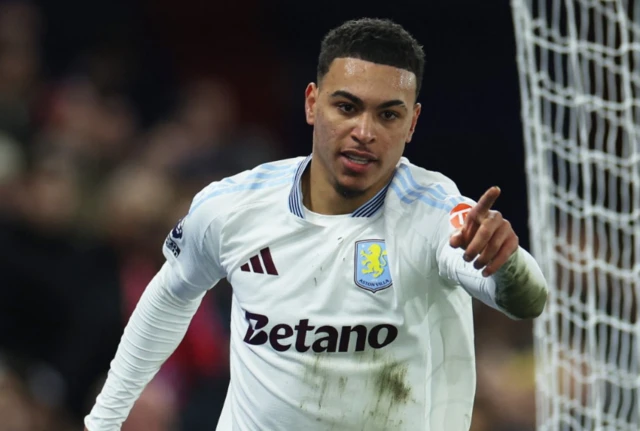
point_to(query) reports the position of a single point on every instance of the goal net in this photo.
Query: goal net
(579, 67)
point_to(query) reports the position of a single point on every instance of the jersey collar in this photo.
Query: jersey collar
(295, 196)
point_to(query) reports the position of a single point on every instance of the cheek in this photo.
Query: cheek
(395, 147)
(396, 153)
(326, 131)
(398, 138)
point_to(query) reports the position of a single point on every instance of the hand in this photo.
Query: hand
(486, 235)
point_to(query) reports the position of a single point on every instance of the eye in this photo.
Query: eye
(389, 115)
(347, 108)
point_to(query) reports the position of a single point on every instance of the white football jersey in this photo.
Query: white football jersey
(338, 322)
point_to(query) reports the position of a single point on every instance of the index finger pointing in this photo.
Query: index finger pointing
(485, 203)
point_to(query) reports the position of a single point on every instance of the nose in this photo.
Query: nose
(364, 130)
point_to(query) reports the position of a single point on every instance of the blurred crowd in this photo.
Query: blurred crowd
(89, 188)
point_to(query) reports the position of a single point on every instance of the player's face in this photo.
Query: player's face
(363, 115)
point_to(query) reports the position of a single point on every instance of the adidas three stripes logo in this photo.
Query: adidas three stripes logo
(256, 263)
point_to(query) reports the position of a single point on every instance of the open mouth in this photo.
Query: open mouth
(358, 160)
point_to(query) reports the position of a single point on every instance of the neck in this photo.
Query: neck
(320, 196)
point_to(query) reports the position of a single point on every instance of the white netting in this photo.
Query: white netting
(579, 65)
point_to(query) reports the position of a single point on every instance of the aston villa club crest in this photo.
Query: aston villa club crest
(372, 265)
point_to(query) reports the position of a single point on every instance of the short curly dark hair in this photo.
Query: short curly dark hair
(380, 41)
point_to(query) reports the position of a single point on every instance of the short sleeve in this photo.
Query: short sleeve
(192, 250)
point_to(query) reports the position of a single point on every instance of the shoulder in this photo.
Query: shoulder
(211, 207)
(262, 183)
(421, 192)
(420, 204)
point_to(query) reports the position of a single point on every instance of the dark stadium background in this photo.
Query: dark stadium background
(99, 99)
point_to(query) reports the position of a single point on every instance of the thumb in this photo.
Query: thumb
(456, 240)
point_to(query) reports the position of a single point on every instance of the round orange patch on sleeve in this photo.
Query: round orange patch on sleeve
(458, 215)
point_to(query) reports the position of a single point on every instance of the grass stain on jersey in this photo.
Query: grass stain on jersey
(374, 402)
(390, 392)
(323, 391)
(342, 384)
(317, 379)
(390, 382)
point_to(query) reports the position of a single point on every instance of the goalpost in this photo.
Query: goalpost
(579, 67)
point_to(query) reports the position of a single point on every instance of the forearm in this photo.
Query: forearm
(155, 329)
(518, 289)
(521, 289)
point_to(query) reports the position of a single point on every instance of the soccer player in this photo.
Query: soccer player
(352, 269)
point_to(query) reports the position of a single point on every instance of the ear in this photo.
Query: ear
(310, 98)
(414, 120)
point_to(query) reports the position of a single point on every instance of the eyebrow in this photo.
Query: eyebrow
(360, 103)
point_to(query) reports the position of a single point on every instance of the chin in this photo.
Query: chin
(349, 191)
